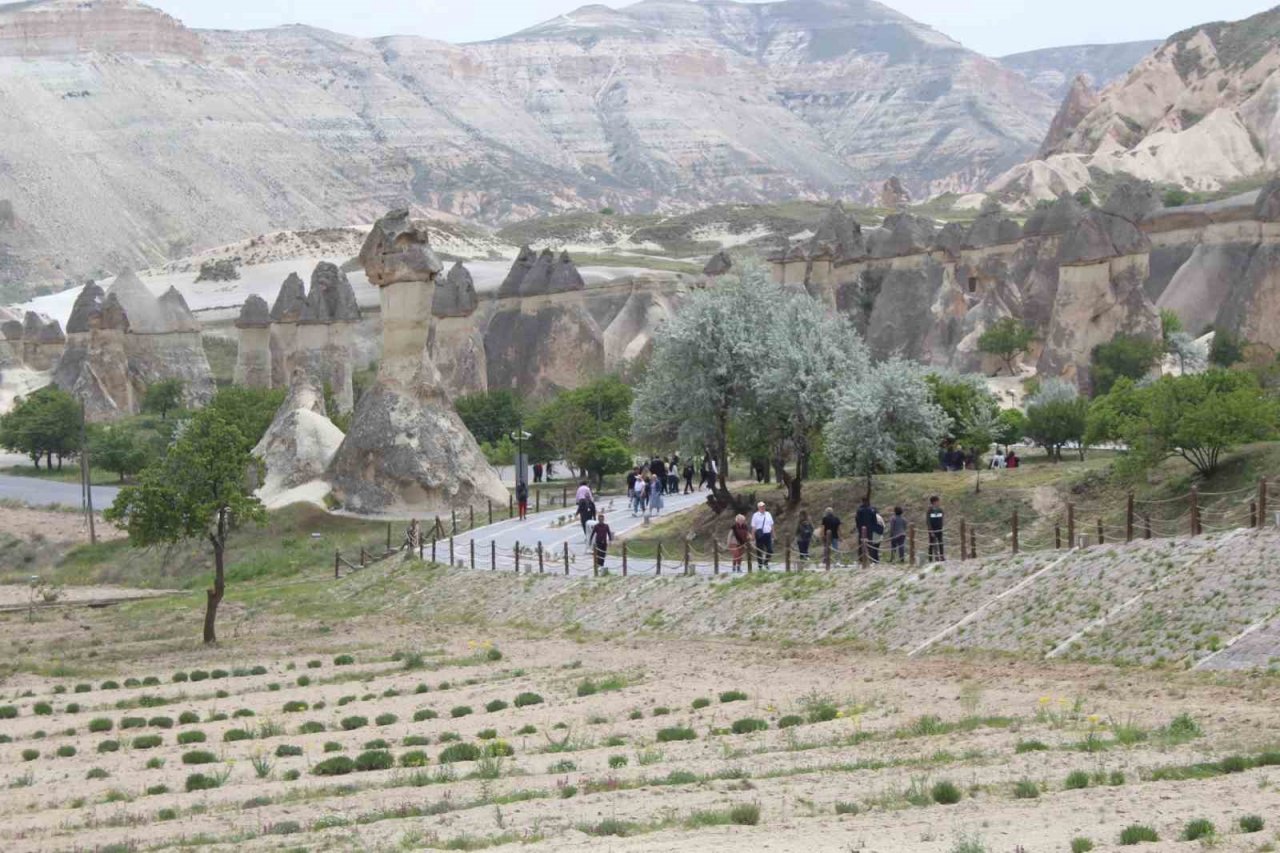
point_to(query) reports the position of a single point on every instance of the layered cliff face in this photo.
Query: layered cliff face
(1199, 112)
(666, 104)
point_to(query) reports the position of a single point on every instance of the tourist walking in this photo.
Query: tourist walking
(522, 498)
(804, 535)
(601, 536)
(586, 505)
(739, 536)
(638, 489)
(537, 472)
(704, 474)
(870, 526)
(934, 520)
(688, 477)
(831, 529)
(898, 536)
(762, 526)
(654, 496)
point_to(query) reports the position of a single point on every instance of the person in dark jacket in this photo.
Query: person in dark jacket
(522, 498)
(831, 529)
(804, 535)
(658, 469)
(898, 536)
(869, 528)
(688, 477)
(601, 536)
(934, 519)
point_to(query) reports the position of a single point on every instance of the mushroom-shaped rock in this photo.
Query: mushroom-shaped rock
(950, 237)
(565, 276)
(519, 269)
(991, 228)
(331, 300)
(1133, 200)
(52, 333)
(1267, 207)
(177, 316)
(719, 264)
(300, 443)
(113, 316)
(1100, 236)
(1060, 217)
(254, 314)
(290, 301)
(901, 234)
(397, 250)
(88, 303)
(840, 233)
(140, 304)
(456, 295)
(538, 280)
(315, 311)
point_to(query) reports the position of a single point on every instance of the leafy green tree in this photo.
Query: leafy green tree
(959, 394)
(1197, 417)
(251, 410)
(44, 425)
(163, 397)
(569, 422)
(1124, 356)
(490, 415)
(1227, 349)
(1170, 324)
(601, 456)
(1057, 416)
(119, 448)
(199, 490)
(1007, 339)
(1013, 426)
(979, 428)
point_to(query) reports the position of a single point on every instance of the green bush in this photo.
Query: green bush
(386, 719)
(295, 706)
(147, 741)
(339, 765)
(66, 751)
(311, 727)
(1234, 764)
(616, 761)
(332, 746)
(424, 714)
(109, 685)
(201, 782)
(304, 681)
(790, 721)
(133, 723)
(72, 708)
(157, 790)
(233, 735)
(414, 758)
(352, 723)
(1080, 844)
(42, 709)
(30, 754)
(374, 759)
(376, 743)
(160, 722)
(167, 814)
(448, 737)
(109, 746)
(288, 750)
(460, 711)
(415, 740)
(945, 793)
(1077, 779)
(661, 711)
(1137, 833)
(525, 699)
(8, 712)
(179, 677)
(1030, 746)
(733, 696)
(258, 670)
(495, 706)
(100, 724)
(1025, 789)
(487, 734)
(676, 733)
(97, 773)
(242, 712)
(455, 752)
(1251, 823)
(747, 725)
(82, 688)
(343, 660)
(1197, 829)
(498, 749)
(186, 718)
(156, 763)
(199, 675)
(700, 703)
(199, 756)
(745, 814)
(844, 807)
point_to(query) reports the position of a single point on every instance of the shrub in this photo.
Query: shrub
(258, 670)
(1136, 833)
(132, 682)
(1181, 729)
(527, 729)
(415, 740)
(675, 733)
(1077, 779)
(30, 754)
(1197, 829)
(343, 660)
(109, 685)
(424, 714)
(97, 773)
(109, 746)
(499, 749)
(1251, 823)
(616, 761)
(745, 814)
(1030, 746)
(233, 735)
(1116, 778)
(82, 688)
(288, 750)
(495, 706)
(222, 694)
(636, 715)
(167, 814)
(661, 711)
(1080, 844)
(843, 807)
(186, 718)
(374, 759)
(179, 677)
(199, 675)
(304, 681)
(339, 765)
(295, 706)
(216, 717)
(564, 765)
(332, 746)
(1025, 790)
(386, 719)
(42, 709)
(242, 712)
(311, 727)
(199, 756)
(525, 699)
(72, 708)
(414, 758)
(449, 737)
(733, 696)
(156, 763)
(100, 724)
(455, 752)
(8, 712)
(700, 703)
(150, 681)
(1234, 764)
(487, 734)
(790, 721)
(376, 743)
(460, 711)
(352, 723)
(219, 673)
(133, 723)
(201, 782)
(945, 793)
(747, 725)
(160, 722)
(147, 741)
(292, 775)
(66, 751)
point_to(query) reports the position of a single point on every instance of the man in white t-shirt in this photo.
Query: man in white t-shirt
(762, 524)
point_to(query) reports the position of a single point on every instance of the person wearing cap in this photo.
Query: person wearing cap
(762, 525)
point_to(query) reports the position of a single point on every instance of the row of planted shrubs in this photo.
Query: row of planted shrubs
(382, 759)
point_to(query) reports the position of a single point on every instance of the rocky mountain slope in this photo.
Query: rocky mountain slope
(1053, 68)
(131, 140)
(1200, 112)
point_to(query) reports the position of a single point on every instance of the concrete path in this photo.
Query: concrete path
(36, 492)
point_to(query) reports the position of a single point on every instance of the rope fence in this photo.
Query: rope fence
(440, 541)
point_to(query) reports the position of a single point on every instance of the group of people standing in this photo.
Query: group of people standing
(957, 458)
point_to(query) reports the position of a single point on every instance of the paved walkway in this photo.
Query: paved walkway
(36, 492)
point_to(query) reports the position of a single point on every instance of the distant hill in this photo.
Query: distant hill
(1052, 69)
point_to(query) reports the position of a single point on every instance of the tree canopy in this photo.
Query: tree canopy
(1056, 417)
(1124, 356)
(1006, 340)
(119, 448)
(163, 397)
(45, 425)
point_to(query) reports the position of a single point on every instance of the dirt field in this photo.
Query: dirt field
(621, 741)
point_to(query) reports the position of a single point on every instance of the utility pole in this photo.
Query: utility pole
(86, 477)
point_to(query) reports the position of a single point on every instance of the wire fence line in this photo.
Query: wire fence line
(452, 541)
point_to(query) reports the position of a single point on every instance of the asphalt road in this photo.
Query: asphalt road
(36, 492)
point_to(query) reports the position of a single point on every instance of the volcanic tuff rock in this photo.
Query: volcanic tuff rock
(1053, 69)
(664, 104)
(253, 355)
(407, 449)
(301, 441)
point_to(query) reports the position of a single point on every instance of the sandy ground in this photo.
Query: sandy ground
(586, 763)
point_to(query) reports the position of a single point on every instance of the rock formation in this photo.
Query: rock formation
(1081, 99)
(456, 342)
(39, 341)
(719, 264)
(286, 311)
(893, 195)
(298, 446)
(253, 356)
(407, 449)
(325, 335)
(94, 366)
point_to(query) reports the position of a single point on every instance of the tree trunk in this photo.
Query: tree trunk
(48, 460)
(213, 597)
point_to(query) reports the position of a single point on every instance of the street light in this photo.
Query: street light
(520, 437)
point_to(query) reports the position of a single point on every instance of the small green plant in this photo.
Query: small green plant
(386, 720)
(97, 773)
(311, 727)
(187, 718)
(42, 709)
(133, 723)
(167, 814)
(495, 706)
(675, 733)
(416, 740)
(945, 793)
(1234, 764)
(456, 752)
(1077, 779)
(199, 756)
(748, 725)
(562, 766)
(1198, 829)
(424, 714)
(1025, 789)
(109, 746)
(661, 711)
(8, 712)
(343, 660)
(374, 759)
(527, 729)
(354, 722)
(303, 681)
(295, 706)
(147, 741)
(156, 763)
(202, 782)
(30, 754)
(1137, 833)
(460, 711)
(83, 688)
(339, 765)
(160, 722)
(616, 761)
(377, 743)
(288, 750)
(109, 685)
(487, 734)
(414, 758)
(636, 715)
(233, 735)
(100, 724)
(1029, 746)
(733, 696)
(969, 844)
(745, 814)
(332, 746)
(525, 699)
(242, 712)
(1116, 778)
(790, 721)
(1252, 823)
(1181, 729)
(700, 703)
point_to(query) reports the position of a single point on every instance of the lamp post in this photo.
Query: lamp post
(520, 437)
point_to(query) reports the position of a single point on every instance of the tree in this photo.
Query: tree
(199, 490)
(1124, 355)
(885, 420)
(162, 397)
(1056, 416)
(601, 456)
(490, 415)
(1006, 340)
(1013, 426)
(44, 425)
(959, 394)
(251, 410)
(119, 448)
(1227, 349)
(980, 426)
(564, 425)
(1170, 324)
(1196, 417)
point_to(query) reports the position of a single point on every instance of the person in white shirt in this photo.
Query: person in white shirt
(762, 524)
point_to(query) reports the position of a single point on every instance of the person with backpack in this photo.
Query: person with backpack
(831, 529)
(739, 536)
(934, 519)
(762, 526)
(898, 536)
(804, 535)
(601, 536)
(522, 498)
(869, 528)
(586, 505)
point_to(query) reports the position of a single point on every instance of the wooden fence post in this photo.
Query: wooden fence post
(659, 558)
(1057, 537)
(911, 543)
(786, 559)
(451, 560)
(453, 520)
(537, 501)
(624, 559)
(1195, 511)
(540, 566)
(511, 506)
(362, 556)
(973, 543)
(493, 556)
(1262, 501)
(1253, 514)
(473, 554)
(715, 557)
(964, 531)
(686, 558)
(1128, 519)
(516, 551)
(1071, 525)
(471, 517)
(566, 559)
(1015, 531)
(433, 547)
(337, 558)
(422, 541)
(564, 496)
(1146, 524)
(388, 536)
(489, 502)
(1101, 537)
